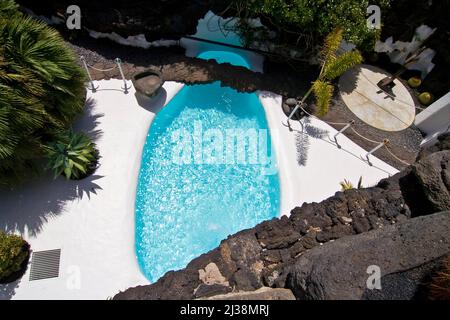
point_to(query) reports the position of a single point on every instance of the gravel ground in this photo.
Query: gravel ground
(281, 79)
(404, 144)
(175, 66)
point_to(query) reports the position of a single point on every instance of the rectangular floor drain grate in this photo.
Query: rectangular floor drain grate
(45, 264)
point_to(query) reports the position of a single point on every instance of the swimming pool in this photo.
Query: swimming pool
(205, 174)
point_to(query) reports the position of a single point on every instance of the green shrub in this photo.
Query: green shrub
(41, 92)
(72, 155)
(302, 24)
(347, 185)
(13, 252)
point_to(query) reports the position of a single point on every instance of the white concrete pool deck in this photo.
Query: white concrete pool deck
(92, 220)
(310, 165)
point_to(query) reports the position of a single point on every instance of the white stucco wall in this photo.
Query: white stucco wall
(435, 119)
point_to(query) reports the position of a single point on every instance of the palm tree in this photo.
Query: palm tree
(333, 66)
(41, 92)
(8, 7)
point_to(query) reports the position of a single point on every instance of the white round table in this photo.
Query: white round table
(389, 112)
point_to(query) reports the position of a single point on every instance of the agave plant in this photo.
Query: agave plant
(41, 91)
(72, 155)
(347, 185)
(333, 66)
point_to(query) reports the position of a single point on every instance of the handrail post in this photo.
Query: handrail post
(91, 82)
(342, 130)
(125, 86)
(293, 112)
(385, 142)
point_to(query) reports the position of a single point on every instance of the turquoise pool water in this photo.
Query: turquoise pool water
(225, 56)
(204, 174)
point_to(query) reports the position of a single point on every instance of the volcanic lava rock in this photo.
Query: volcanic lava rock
(263, 293)
(338, 270)
(169, 19)
(359, 225)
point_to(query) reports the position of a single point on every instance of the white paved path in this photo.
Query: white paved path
(92, 220)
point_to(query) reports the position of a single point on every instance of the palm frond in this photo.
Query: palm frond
(41, 91)
(323, 92)
(8, 7)
(331, 44)
(341, 64)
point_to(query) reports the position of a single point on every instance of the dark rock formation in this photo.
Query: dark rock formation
(443, 143)
(172, 19)
(174, 285)
(261, 256)
(169, 19)
(411, 284)
(425, 184)
(263, 293)
(208, 290)
(338, 270)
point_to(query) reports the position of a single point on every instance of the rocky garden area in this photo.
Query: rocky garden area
(322, 250)
(281, 75)
(279, 78)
